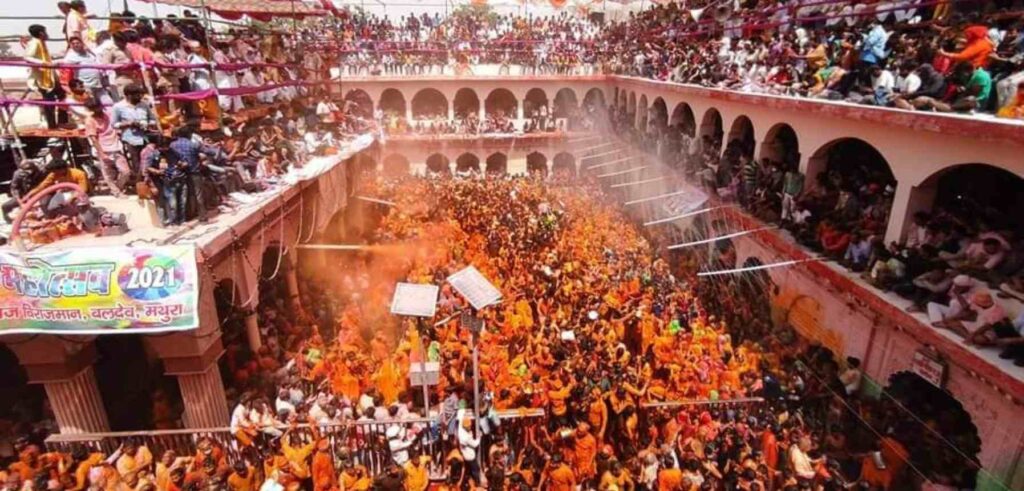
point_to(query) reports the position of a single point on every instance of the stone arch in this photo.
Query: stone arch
(683, 119)
(360, 102)
(711, 130)
(980, 191)
(466, 102)
(396, 164)
(658, 114)
(497, 163)
(849, 154)
(919, 400)
(429, 103)
(641, 113)
(501, 101)
(565, 104)
(622, 101)
(536, 163)
(564, 164)
(438, 163)
(781, 145)
(534, 102)
(392, 101)
(741, 136)
(467, 162)
(856, 166)
(594, 98)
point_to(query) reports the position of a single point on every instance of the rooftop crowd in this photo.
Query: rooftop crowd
(939, 56)
(160, 132)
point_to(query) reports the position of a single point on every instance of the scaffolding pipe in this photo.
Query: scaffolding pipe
(621, 172)
(638, 182)
(721, 237)
(652, 198)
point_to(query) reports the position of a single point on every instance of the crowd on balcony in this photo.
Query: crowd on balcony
(934, 57)
(204, 117)
(939, 57)
(961, 263)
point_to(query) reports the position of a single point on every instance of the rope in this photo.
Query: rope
(280, 243)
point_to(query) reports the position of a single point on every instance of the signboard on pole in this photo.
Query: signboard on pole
(99, 290)
(414, 300)
(470, 283)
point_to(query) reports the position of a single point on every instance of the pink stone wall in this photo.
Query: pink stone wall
(886, 349)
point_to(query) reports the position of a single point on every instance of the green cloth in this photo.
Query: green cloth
(982, 79)
(793, 183)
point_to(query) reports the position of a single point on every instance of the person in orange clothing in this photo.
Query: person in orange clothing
(83, 463)
(559, 476)
(242, 477)
(325, 477)
(670, 478)
(597, 412)
(28, 463)
(770, 447)
(616, 478)
(883, 467)
(976, 50)
(584, 453)
(557, 396)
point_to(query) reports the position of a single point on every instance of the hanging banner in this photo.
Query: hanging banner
(99, 290)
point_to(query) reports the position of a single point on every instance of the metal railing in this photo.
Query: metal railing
(361, 442)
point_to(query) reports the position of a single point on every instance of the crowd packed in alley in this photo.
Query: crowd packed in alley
(638, 383)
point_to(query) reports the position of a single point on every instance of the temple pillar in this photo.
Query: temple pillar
(77, 404)
(65, 369)
(203, 396)
(192, 357)
(291, 280)
(252, 330)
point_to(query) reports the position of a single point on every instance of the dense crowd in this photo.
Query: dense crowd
(595, 329)
(157, 132)
(961, 263)
(945, 57)
(938, 57)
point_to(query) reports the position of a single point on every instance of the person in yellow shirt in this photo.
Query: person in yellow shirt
(134, 460)
(58, 171)
(162, 474)
(298, 457)
(44, 79)
(354, 477)
(417, 475)
(616, 479)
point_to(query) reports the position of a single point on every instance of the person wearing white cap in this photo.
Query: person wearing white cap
(398, 445)
(958, 303)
